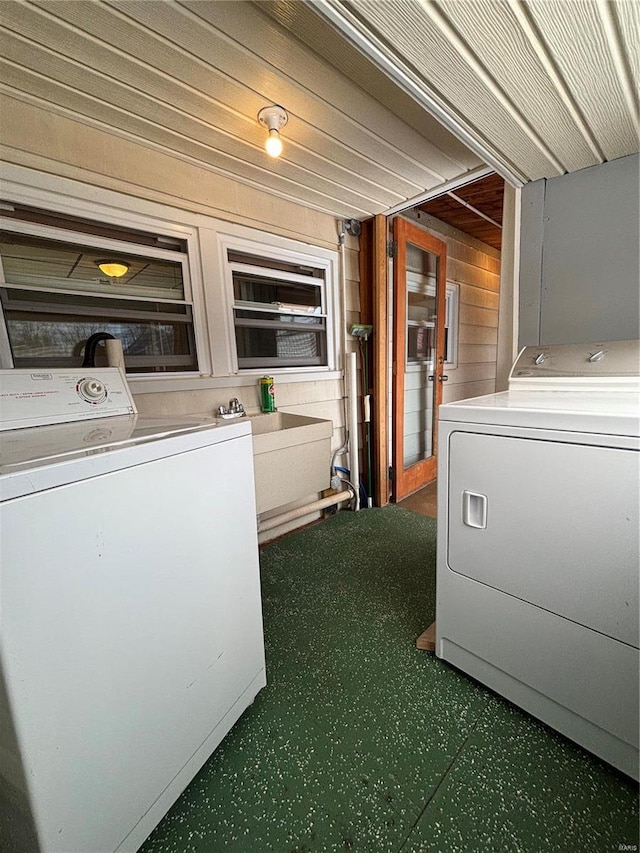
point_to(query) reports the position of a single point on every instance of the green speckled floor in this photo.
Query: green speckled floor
(360, 742)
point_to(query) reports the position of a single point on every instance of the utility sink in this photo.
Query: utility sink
(292, 457)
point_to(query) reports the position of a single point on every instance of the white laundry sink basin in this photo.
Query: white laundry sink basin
(292, 457)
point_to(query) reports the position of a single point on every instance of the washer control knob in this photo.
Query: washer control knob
(541, 358)
(92, 390)
(596, 356)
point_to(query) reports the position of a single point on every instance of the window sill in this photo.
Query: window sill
(157, 384)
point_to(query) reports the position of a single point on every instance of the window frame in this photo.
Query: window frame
(295, 254)
(200, 228)
(110, 246)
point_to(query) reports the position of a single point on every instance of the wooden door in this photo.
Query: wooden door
(419, 303)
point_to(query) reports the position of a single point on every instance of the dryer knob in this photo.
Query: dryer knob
(596, 356)
(540, 358)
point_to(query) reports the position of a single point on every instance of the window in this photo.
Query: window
(54, 296)
(281, 305)
(201, 300)
(421, 299)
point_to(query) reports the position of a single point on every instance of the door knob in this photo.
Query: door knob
(443, 378)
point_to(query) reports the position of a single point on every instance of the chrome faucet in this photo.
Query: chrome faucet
(235, 410)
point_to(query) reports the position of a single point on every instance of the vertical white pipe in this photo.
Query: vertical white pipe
(343, 324)
(115, 356)
(354, 465)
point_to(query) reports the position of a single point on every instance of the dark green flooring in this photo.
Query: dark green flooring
(360, 742)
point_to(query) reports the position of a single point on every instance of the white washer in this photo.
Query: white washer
(131, 615)
(538, 527)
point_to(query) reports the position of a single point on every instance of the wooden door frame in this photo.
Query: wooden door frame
(374, 309)
(380, 311)
(374, 306)
(405, 231)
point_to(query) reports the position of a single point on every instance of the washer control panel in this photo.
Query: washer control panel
(37, 397)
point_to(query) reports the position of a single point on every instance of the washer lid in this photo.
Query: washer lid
(37, 458)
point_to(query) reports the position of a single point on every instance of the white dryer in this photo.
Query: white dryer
(538, 529)
(131, 627)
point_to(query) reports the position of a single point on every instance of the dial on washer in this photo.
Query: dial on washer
(92, 390)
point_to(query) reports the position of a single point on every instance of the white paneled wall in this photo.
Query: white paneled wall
(43, 144)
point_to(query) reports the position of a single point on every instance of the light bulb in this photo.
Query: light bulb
(273, 145)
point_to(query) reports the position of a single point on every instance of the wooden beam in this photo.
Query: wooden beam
(380, 406)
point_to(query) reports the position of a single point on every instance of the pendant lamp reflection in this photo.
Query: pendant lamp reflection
(114, 269)
(274, 118)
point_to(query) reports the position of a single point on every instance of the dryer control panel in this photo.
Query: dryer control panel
(31, 398)
(611, 364)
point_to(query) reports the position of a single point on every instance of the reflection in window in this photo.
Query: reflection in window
(54, 297)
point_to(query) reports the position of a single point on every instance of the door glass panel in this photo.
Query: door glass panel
(421, 273)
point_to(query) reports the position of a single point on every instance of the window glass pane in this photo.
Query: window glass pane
(45, 329)
(37, 262)
(36, 340)
(55, 297)
(276, 293)
(421, 307)
(268, 347)
(269, 318)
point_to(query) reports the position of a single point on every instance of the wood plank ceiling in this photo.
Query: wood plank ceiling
(475, 209)
(535, 88)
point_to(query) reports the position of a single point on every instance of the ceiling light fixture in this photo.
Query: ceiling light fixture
(114, 269)
(274, 118)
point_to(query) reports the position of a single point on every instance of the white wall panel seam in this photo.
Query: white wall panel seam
(286, 79)
(498, 38)
(320, 36)
(420, 45)
(628, 19)
(372, 104)
(348, 198)
(581, 51)
(192, 116)
(213, 129)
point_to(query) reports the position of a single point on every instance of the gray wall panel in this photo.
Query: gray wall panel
(588, 270)
(531, 235)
